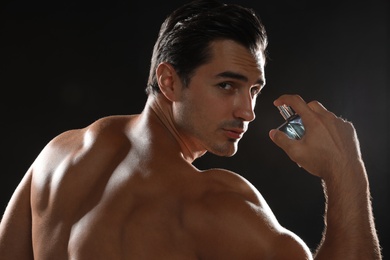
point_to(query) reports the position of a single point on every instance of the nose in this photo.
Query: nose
(244, 108)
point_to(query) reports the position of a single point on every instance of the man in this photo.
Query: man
(124, 187)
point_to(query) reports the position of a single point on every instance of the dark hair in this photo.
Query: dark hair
(185, 36)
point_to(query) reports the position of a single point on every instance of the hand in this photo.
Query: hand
(330, 143)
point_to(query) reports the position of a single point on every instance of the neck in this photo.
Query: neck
(162, 108)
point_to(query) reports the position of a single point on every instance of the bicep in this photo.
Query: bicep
(247, 230)
(270, 237)
(287, 245)
(282, 243)
(15, 226)
(275, 241)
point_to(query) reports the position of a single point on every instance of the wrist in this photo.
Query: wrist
(346, 172)
(347, 184)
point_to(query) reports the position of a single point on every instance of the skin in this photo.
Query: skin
(124, 187)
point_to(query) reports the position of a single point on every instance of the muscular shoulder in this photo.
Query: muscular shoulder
(226, 183)
(234, 213)
(105, 135)
(78, 158)
(228, 197)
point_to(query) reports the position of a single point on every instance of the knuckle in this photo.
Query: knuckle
(297, 97)
(349, 125)
(331, 115)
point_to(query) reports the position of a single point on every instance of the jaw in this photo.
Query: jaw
(224, 148)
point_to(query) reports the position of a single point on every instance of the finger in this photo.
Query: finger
(285, 143)
(317, 107)
(296, 102)
(281, 139)
(320, 109)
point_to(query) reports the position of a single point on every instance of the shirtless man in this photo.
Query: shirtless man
(124, 187)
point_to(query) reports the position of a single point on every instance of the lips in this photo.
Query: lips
(235, 133)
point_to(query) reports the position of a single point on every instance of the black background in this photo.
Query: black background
(64, 64)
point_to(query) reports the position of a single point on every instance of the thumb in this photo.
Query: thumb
(280, 139)
(284, 142)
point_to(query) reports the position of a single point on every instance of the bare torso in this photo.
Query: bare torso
(104, 199)
(111, 192)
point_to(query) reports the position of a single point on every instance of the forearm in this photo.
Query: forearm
(330, 149)
(349, 224)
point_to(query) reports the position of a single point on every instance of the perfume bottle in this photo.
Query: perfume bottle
(293, 126)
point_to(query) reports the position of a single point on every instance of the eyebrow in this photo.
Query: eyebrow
(238, 76)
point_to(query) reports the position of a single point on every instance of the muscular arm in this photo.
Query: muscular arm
(235, 222)
(330, 150)
(15, 226)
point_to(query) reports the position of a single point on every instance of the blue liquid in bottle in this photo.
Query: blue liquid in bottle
(293, 127)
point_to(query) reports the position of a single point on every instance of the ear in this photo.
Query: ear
(167, 80)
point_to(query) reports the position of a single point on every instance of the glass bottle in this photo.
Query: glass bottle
(293, 126)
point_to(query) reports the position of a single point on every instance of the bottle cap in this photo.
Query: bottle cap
(286, 111)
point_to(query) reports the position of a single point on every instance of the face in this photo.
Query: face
(213, 112)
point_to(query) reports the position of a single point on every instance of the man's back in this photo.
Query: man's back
(108, 194)
(102, 199)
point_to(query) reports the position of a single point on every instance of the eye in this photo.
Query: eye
(226, 85)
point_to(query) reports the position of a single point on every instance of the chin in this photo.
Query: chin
(225, 151)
